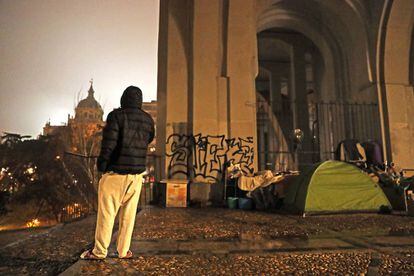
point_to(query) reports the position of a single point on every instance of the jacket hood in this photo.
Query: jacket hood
(132, 98)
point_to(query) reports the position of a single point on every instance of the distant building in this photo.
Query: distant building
(83, 133)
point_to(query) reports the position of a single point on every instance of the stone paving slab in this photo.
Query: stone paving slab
(342, 263)
(394, 241)
(314, 244)
(361, 224)
(207, 247)
(226, 247)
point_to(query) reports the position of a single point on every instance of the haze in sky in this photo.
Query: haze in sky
(49, 50)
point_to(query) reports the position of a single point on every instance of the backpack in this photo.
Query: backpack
(350, 150)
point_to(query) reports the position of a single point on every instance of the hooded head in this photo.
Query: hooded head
(132, 97)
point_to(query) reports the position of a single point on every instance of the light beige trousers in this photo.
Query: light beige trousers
(116, 192)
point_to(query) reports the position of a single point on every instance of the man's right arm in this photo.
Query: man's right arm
(152, 132)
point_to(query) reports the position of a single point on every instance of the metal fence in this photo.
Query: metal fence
(328, 123)
(73, 212)
(339, 121)
(147, 194)
(148, 190)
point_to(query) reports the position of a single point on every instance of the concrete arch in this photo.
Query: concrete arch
(273, 18)
(282, 45)
(364, 19)
(344, 25)
(353, 23)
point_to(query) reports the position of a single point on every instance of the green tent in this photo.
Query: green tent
(334, 186)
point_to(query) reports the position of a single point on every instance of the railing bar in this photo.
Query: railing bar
(326, 127)
(369, 122)
(357, 120)
(337, 124)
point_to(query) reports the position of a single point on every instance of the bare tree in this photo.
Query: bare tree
(86, 141)
(10, 139)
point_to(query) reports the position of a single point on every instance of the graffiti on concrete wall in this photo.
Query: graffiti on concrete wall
(206, 155)
(179, 150)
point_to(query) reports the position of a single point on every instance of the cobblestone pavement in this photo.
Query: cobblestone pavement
(220, 223)
(215, 241)
(9, 237)
(216, 224)
(45, 251)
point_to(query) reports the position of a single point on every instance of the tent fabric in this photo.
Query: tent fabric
(334, 186)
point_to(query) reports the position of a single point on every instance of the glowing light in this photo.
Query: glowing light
(57, 157)
(30, 170)
(75, 210)
(33, 223)
(2, 173)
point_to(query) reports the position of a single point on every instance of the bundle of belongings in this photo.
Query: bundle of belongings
(270, 197)
(369, 158)
(266, 188)
(361, 154)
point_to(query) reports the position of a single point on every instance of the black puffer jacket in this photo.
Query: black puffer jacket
(126, 136)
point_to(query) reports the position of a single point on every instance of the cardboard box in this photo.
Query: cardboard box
(175, 193)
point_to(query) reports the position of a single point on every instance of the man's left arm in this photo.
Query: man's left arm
(109, 142)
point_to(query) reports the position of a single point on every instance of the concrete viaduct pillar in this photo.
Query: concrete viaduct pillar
(206, 90)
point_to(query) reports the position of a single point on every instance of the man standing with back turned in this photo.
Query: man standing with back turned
(126, 136)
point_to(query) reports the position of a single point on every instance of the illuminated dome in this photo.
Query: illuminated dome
(90, 101)
(89, 108)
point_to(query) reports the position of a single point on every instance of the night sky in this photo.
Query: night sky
(49, 50)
